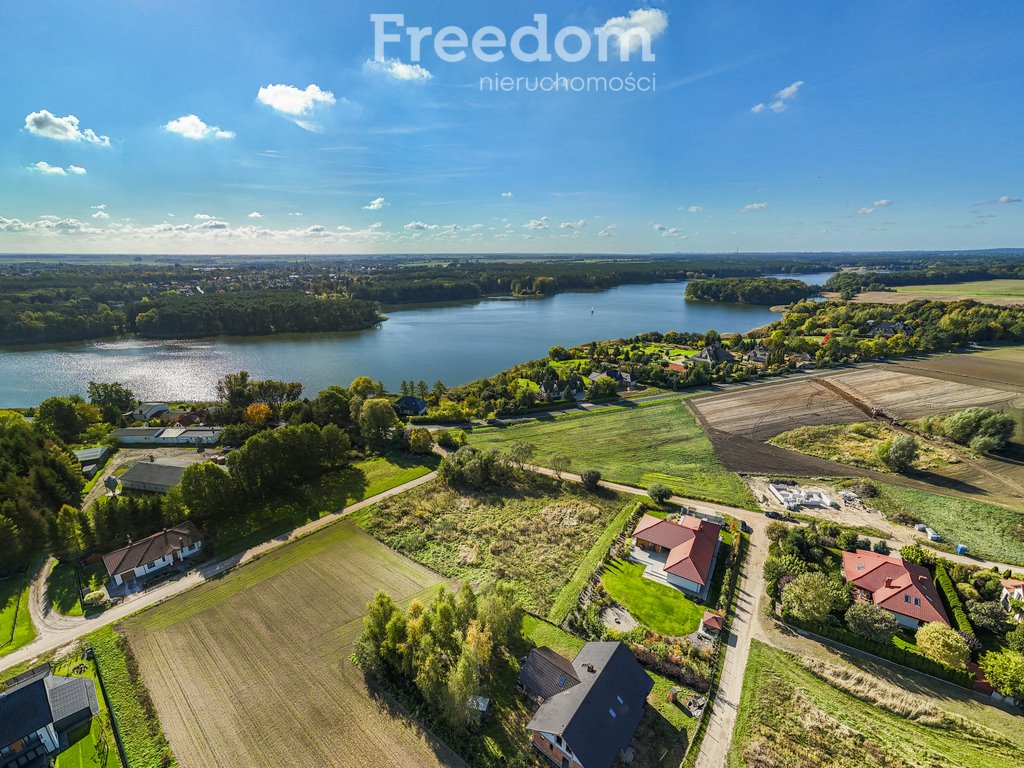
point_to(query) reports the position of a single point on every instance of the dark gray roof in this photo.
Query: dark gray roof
(411, 403)
(154, 473)
(545, 673)
(598, 717)
(24, 706)
(91, 455)
(138, 432)
(716, 354)
(72, 700)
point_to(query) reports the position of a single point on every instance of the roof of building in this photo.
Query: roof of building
(154, 473)
(69, 698)
(413, 403)
(1012, 584)
(712, 620)
(37, 698)
(691, 543)
(597, 717)
(715, 354)
(138, 431)
(91, 455)
(152, 548)
(895, 584)
(545, 673)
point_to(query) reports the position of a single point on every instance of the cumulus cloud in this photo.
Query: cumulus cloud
(578, 224)
(376, 204)
(866, 211)
(753, 207)
(631, 31)
(781, 99)
(1002, 200)
(45, 123)
(882, 203)
(667, 231)
(507, 194)
(541, 223)
(100, 207)
(694, 209)
(397, 70)
(213, 224)
(191, 127)
(295, 103)
(203, 217)
(255, 215)
(419, 226)
(55, 170)
(608, 231)
(101, 215)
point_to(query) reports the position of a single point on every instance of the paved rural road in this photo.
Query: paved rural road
(55, 630)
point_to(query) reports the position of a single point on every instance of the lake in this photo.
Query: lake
(455, 343)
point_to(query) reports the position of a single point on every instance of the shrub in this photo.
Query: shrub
(420, 440)
(943, 645)
(956, 608)
(898, 452)
(813, 597)
(871, 622)
(590, 479)
(659, 493)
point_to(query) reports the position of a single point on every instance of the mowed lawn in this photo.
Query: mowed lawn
(16, 627)
(253, 669)
(790, 717)
(536, 534)
(657, 442)
(665, 610)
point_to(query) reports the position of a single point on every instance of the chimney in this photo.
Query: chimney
(590, 668)
(888, 582)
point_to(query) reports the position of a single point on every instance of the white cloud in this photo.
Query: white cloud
(376, 204)
(213, 224)
(866, 211)
(295, 213)
(608, 231)
(781, 100)
(640, 23)
(1007, 199)
(541, 223)
(507, 194)
(668, 231)
(419, 226)
(882, 203)
(694, 209)
(55, 170)
(295, 103)
(255, 215)
(45, 123)
(398, 70)
(191, 127)
(101, 215)
(753, 207)
(100, 207)
(573, 224)
(203, 217)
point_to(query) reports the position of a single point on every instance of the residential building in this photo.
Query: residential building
(92, 459)
(622, 379)
(153, 476)
(903, 588)
(1013, 592)
(715, 354)
(591, 722)
(410, 406)
(167, 435)
(758, 355)
(889, 329)
(37, 710)
(147, 411)
(544, 673)
(153, 553)
(680, 553)
(711, 624)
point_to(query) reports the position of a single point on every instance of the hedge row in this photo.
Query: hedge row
(887, 651)
(952, 600)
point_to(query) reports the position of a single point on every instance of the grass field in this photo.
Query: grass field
(16, 627)
(327, 494)
(252, 668)
(989, 531)
(657, 442)
(976, 288)
(857, 445)
(534, 534)
(92, 745)
(665, 610)
(791, 717)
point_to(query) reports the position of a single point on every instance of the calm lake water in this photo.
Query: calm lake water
(454, 343)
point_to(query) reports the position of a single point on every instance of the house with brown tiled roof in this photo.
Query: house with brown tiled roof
(680, 553)
(153, 553)
(904, 589)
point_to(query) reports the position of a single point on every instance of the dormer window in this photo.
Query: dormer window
(612, 713)
(619, 699)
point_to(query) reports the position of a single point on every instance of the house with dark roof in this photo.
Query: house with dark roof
(903, 588)
(153, 553)
(590, 723)
(544, 673)
(758, 355)
(410, 406)
(153, 476)
(37, 710)
(622, 379)
(680, 553)
(715, 354)
(888, 329)
(167, 435)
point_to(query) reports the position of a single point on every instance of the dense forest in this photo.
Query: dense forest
(249, 313)
(749, 290)
(940, 274)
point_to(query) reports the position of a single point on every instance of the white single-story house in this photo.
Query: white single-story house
(167, 435)
(153, 553)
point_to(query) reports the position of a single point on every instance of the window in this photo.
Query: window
(619, 699)
(612, 713)
(558, 740)
(917, 601)
(906, 598)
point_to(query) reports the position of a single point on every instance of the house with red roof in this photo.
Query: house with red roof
(904, 589)
(680, 553)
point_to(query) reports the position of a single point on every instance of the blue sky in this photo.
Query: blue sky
(260, 127)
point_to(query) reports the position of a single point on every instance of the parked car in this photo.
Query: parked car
(771, 514)
(745, 527)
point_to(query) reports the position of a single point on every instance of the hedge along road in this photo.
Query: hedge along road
(53, 635)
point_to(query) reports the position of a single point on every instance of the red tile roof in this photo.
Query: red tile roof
(691, 544)
(712, 620)
(151, 548)
(896, 585)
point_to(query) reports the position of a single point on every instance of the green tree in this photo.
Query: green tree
(557, 353)
(560, 463)
(379, 613)
(591, 479)
(331, 406)
(422, 390)
(521, 452)
(779, 570)
(871, 622)
(114, 398)
(336, 446)
(363, 386)
(659, 493)
(500, 612)
(812, 597)
(210, 494)
(603, 387)
(1005, 671)
(70, 536)
(376, 420)
(988, 615)
(942, 644)
(235, 390)
(898, 453)
(420, 440)
(66, 417)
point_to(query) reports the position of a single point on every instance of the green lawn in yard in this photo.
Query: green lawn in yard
(62, 588)
(91, 745)
(644, 444)
(989, 531)
(791, 717)
(662, 608)
(329, 493)
(16, 629)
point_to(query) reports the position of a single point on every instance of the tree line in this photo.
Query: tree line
(750, 290)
